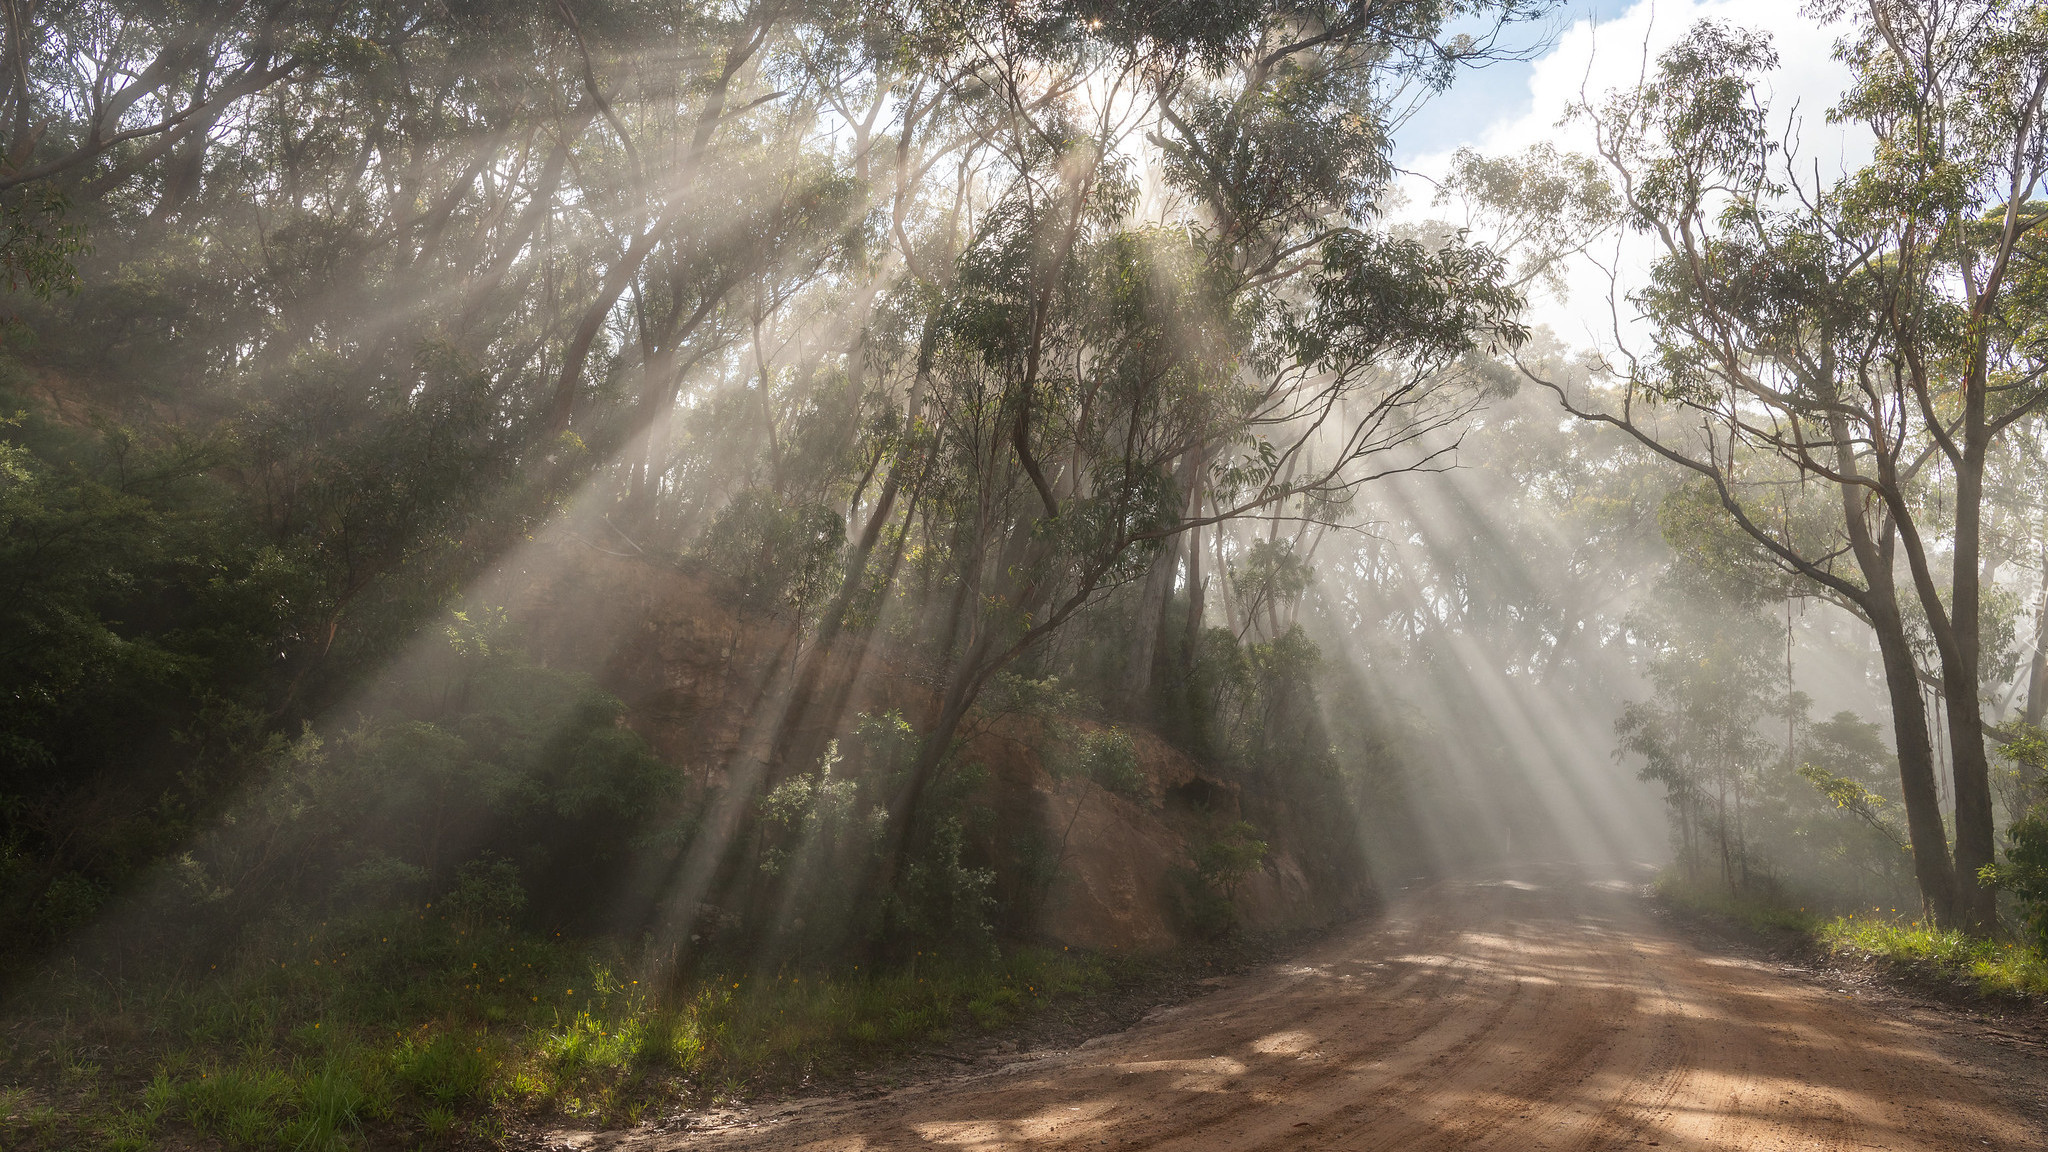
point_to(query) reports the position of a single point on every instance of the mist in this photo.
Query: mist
(606, 560)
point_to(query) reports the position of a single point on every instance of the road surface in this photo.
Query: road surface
(1510, 1015)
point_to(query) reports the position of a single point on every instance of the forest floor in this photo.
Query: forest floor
(1539, 1011)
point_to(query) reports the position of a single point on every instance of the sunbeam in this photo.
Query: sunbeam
(576, 569)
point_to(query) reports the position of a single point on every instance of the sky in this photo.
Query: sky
(1593, 46)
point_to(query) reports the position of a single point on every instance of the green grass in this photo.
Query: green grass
(1996, 968)
(422, 1033)
(1993, 967)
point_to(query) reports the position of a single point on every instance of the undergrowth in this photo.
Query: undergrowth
(1755, 911)
(1997, 968)
(1886, 935)
(430, 1034)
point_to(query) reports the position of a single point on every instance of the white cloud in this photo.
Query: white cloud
(1592, 58)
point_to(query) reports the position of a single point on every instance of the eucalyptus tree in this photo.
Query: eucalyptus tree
(431, 273)
(1698, 735)
(1269, 348)
(82, 80)
(1865, 333)
(2022, 486)
(1064, 373)
(343, 277)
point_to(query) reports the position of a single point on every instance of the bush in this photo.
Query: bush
(486, 889)
(501, 786)
(2024, 872)
(940, 902)
(1234, 856)
(1221, 864)
(1107, 756)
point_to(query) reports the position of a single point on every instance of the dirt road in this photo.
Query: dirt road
(1508, 1015)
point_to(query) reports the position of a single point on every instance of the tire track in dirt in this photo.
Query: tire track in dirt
(1535, 1012)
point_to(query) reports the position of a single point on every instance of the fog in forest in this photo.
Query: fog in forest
(606, 552)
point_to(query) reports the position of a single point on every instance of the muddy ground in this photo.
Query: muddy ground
(1543, 1011)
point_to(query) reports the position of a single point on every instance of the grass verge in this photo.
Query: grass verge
(429, 1034)
(1887, 937)
(1995, 968)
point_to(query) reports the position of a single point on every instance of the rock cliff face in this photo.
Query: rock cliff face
(706, 687)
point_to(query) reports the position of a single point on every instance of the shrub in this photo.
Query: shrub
(501, 785)
(1110, 758)
(940, 901)
(1231, 858)
(2024, 872)
(486, 889)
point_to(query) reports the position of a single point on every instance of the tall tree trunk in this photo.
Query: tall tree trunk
(1223, 584)
(1150, 620)
(840, 691)
(1925, 829)
(962, 688)
(2037, 668)
(1142, 656)
(1876, 555)
(1145, 620)
(1191, 639)
(1976, 843)
(833, 622)
(969, 675)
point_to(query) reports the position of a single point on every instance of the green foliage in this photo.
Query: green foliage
(1270, 578)
(1381, 296)
(1547, 204)
(819, 833)
(37, 244)
(169, 629)
(1840, 839)
(2024, 871)
(332, 1104)
(1853, 797)
(1990, 967)
(1108, 756)
(941, 900)
(1816, 822)
(1224, 858)
(305, 392)
(447, 1068)
(486, 890)
(814, 812)
(136, 615)
(1994, 968)
(1698, 736)
(1235, 855)
(1768, 309)
(497, 785)
(253, 1105)
(771, 557)
(1253, 704)
(406, 1031)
